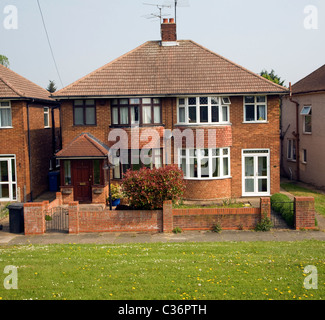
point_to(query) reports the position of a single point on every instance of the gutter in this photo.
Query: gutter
(296, 134)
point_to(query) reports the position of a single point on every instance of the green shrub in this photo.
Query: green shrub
(283, 205)
(177, 230)
(264, 225)
(217, 228)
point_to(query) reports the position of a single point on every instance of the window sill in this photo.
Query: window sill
(207, 179)
(307, 133)
(203, 124)
(291, 160)
(85, 125)
(6, 128)
(255, 122)
(136, 125)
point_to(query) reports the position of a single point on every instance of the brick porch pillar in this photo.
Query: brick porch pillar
(265, 205)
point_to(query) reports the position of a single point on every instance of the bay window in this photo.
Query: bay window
(205, 163)
(203, 110)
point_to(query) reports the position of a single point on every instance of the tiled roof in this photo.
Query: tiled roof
(152, 69)
(85, 145)
(13, 85)
(312, 83)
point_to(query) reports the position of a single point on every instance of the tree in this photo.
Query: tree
(272, 77)
(51, 87)
(4, 61)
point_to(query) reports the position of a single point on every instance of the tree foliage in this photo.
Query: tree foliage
(51, 87)
(4, 61)
(272, 77)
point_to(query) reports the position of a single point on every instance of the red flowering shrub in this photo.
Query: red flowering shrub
(149, 188)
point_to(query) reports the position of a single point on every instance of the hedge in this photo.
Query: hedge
(283, 205)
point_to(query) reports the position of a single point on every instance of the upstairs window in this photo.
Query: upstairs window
(84, 113)
(136, 111)
(306, 113)
(46, 117)
(5, 114)
(203, 110)
(291, 150)
(255, 109)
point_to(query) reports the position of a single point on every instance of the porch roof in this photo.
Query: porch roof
(84, 146)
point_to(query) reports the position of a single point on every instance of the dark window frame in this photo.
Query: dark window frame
(140, 106)
(84, 107)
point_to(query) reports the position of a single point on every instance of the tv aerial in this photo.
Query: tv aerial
(157, 15)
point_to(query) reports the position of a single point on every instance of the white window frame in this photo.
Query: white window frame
(291, 150)
(6, 107)
(223, 102)
(199, 157)
(256, 105)
(11, 183)
(47, 112)
(307, 112)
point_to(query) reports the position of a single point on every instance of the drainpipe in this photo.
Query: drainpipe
(53, 132)
(29, 154)
(296, 134)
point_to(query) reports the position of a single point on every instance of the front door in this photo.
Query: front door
(82, 180)
(256, 172)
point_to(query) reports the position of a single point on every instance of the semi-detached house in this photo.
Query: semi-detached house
(172, 101)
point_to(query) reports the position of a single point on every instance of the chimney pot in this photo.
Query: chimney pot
(165, 21)
(172, 20)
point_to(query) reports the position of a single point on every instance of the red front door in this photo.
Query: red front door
(82, 172)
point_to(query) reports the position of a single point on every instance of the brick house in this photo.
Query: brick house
(172, 101)
(303, 131)
(28, 137)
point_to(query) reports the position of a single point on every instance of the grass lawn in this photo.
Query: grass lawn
(165, 271)
(303, 192)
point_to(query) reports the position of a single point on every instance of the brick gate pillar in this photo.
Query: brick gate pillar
(304, 213)
(265, 204)
(167, 216)
(74, 217)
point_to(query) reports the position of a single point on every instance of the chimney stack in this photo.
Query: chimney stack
(168, 31)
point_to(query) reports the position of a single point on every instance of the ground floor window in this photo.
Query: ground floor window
(8, 181)
(135, 160)
(291, 151)
(205, 163)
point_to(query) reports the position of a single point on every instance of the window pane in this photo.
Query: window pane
(146, 115)
(192, 114)
(215, 100)
(204, 114)
(4, 104)
(46, 117)
(249, 166)
(96, 172)
(67, 172)
(115, 115)
(78, 116)
(13, 170)
(134, 115)
(5, 117)
(14, 192)
(181, 114)
(262, 185)
(157, 117)
(181, 101)
(4, 174)
(225, 167)
(249, 100)
(308, 124)
(124, 101)
(203, 100)
(224, 113)
(193, 168)
(156, 101)
(137, 101)
(249, 185)
(183, 166)
(90, 102)
(144, 100)
(4, 191)
(260, 99)
(305, 111)
(262, 166)
(78, 103)
(90, 116)
(249, 113)
(192, 101)
(124, 115)
(205, 168)
(216, 167)
(261, 113)
(215, 114)
(215, 152)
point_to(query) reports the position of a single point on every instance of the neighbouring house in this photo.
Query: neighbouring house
(171, 101)
(29, 137)
(303, 130)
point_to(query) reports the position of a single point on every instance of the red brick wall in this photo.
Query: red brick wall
(304, 213)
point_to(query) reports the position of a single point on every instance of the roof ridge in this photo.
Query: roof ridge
(6, 82)
(237, 65)
(98, 69)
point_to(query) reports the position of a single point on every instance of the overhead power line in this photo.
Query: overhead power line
(48, 40)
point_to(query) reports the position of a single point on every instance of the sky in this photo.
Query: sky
(86, 34)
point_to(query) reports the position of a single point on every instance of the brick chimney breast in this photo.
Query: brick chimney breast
(168, 31)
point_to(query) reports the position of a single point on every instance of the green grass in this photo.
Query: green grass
(303, 192)
(159, 271)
